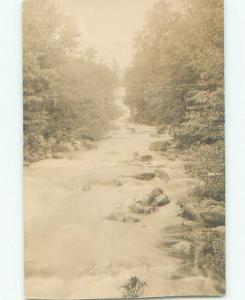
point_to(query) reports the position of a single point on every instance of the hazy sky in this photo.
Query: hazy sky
(109, 25)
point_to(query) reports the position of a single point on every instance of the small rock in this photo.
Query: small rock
(146, 158)
(120, 217)
(58, 155)
(162, 174)
(117, 182)
(86, 188)
(139, 209)
(159, 146)
(144, 176)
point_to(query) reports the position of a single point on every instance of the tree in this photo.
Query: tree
(177, 79)
(67, 93)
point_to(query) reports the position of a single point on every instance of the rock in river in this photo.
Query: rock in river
(162, 174)
(159, 146)
(145, 158)
(155, 193)
(213, 216)
(157, 198)
(161, 200)
(144, 176)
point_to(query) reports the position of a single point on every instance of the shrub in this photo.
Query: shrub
(209, 166)
(208, 247)
(133, 287)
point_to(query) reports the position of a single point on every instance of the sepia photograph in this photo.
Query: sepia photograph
(124, 161)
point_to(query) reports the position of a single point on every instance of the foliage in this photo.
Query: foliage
(65, 89)
(204, 119)
(176, 81)
(178, 53)
(134, 287)
(209, 166)
(209, 251)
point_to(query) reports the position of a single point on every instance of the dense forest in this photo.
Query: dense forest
(176, 82)
(67, 93)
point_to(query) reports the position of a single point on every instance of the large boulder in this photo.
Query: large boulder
(150, 203)
(151, 197)
(161, 200)
(189, 211)
(208, 212)
(213, 216)
(156, 198)
(159, 146)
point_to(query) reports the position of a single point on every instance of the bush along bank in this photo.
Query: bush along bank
(68, 94)
(176, 82)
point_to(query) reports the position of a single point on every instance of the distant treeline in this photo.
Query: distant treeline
(67, 93)
(176, 81)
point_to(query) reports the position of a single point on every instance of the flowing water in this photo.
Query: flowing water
(74, 248)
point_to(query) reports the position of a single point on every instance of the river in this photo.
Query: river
(74, 248)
